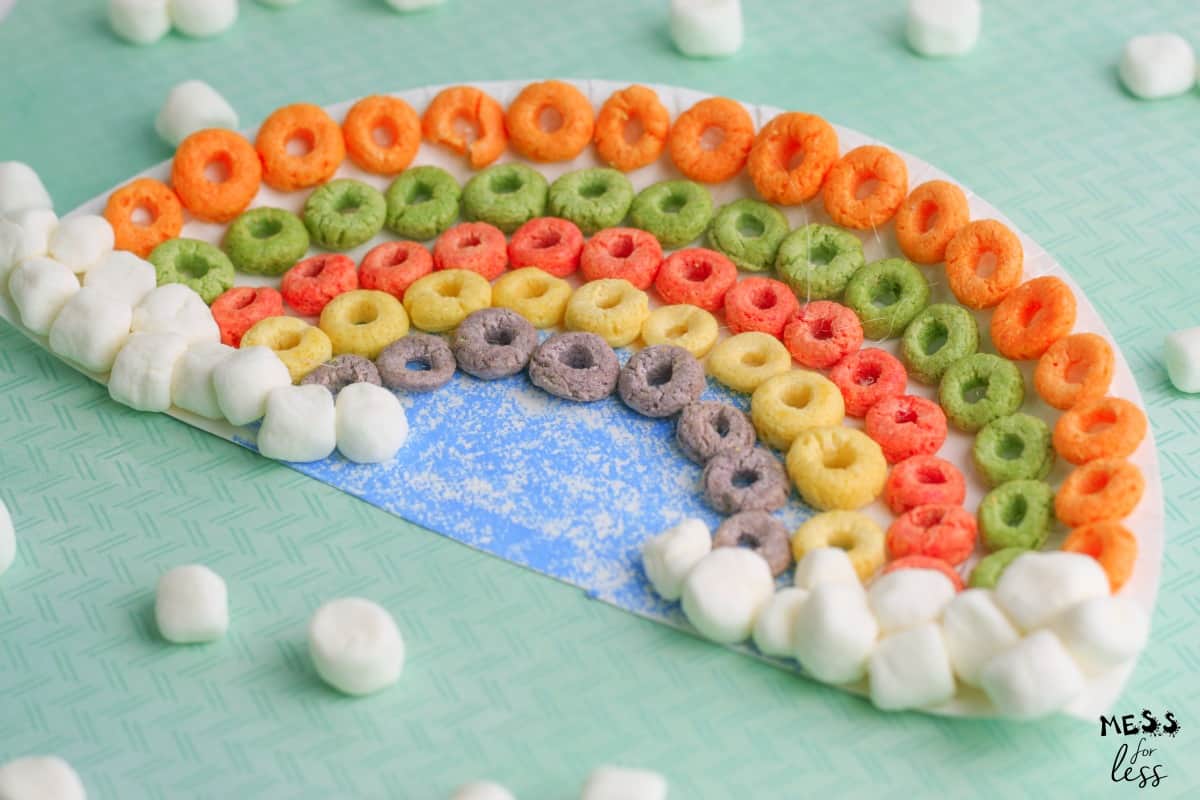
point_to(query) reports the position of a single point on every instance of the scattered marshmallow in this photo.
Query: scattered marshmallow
(123, 276)
(355, 645)
(943, 27)
(40, 778)
(91, 329)
(775, 628)
(175, 308)
(371, 425)
(192, 386)
(21, 189)
(40, 287)
(668, 557)
(142, 374)
(81, 242)
(911, 669)
(12, 248)
(836, 632)
(1036, 587)
(300, 424)
(37, 225)
(707, 28)
(405, 6)
(1181, 352)
(191, 605)
(1032, 678)
(825, 565)
(243, 381)
(725, 592)
(975, 630)
(909, 597)
(193, 106)
(1158, 65)
(482, 790)
(1103, 632)
(623, 783)
(8, 539)
(139, 21)
(202, 18)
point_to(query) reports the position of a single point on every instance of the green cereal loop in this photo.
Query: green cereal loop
(266, 241)
(886, 295)
(344, 213)
(593, 199)
(1017, 514)
(422, 202)
(937, 337)
(817, 261)
(1016, 447)
(198, 265)
(675, 212)
(748, 232)
(989, 569)
(979, 388)
(505, 195)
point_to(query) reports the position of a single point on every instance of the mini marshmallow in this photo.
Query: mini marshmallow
(623, 783)
(1103, 632)
(243, 381)
(1036, 587)
(835, 632)
(975, 630)
(405, 6)
(1158, 65)
(139, 21)
(910, 669)
(909, 597)
(1032, 678)
(91, 329)
(191, 605)
(192, 386)
(482, 790)
(668, 557)
(40, 287)
(725, 592)
(1181, 352)
(81, 242)
(21, 189)
(144, 369)
(943, 27)
(371, 425)
(37, 225)
(8, 539)
(193, 106)
(202, 18)
(300, 424)
(12, 248)
(122, 276)
(707, 28)
(40, 778)
(355, 645)
(775, 628)
(825, 565)
(175, 308)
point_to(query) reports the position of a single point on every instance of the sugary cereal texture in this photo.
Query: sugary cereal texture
(575, 366)
(363, 322)
(686, 326)
(753, 480)
(1103, 489)
(1108, 427)
(441, 300)
(537, 296)
(300, 346)
(1017, 514)
(836, 468)
(922, 480)
(612, 308)
(310, 285)
(1016, 447)
(744, 361)
(709, 428)
(419, 362)
(783, 406)
(938, 530)
(855, 533)
(494, 343)
(661, 380)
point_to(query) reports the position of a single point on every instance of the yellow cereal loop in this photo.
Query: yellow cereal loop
(301, 347)
(612, 308)
(683, 325)
(787, 404)
(836, 467)
(853, 532)
(363, 322)
(537, 296)
(439, 301)
(744, 361)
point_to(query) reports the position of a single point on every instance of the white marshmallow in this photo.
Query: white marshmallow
(300, 424)
(775, 628)
(40, 778)
(191, 605)
(355, 645)
(142, 374)
(123, 276)
(37, 225)
(21, 189)
(203, 18)
(243, 381)
(943, 27)
(192, 386)
(1036, 587)
(909, 597)
(825, 565)
(279, 3)
(725, 592)
(8, 539)
(910, 669)
(40, 287)
(91, 329)
(193, 106)
(12, 248)
(371, 425)
(668, 557)
(1032, 678)
(139, 21)
(175, 308)
(81, 242)
(1158, 65)
(835, 632)
(1181, 352)
(623, 783)
(482, 790)
(975, 630)
(404, 6)
(1103, 632)
(707, 28)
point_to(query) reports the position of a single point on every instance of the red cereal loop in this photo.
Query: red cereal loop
(868, 376)
(475, 246)
(696, 276)
(628, 253)
(238, 309)
(922, 481)
(311, 284)
(926, 562)
(906, 425)
(394, 266)
(551, 244)
(823, 333)
(941, 531)
(760, 304)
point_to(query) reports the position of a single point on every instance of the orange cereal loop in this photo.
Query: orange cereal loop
(688, 149)
(928, 219)
(561, 141)
(382, 117)
(143, 215)
(300, 146)
(466, 105)
(1032, 317)
(1111, 544)
(216, 174)
(785, 137)
(624, 109)
(1075, 368)
(1109, 427)
(984, 262)
(855, 173)
(1104, 489)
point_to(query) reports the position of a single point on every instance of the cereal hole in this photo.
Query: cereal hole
(192, 266)
(465, 128)
(577, 357)
(904, 415)
(549, 119)
(750, 226)
(505, 183)
(363, 314)
(1076, 372)
(721, 424)
(843, 540)
(886, 293)
(1015, 510)
(451, 288)
(1010, 447)
(975, 390)
(418, 365)
(841, 458)
(300, 143)
(931, 476)
(985, 266)
(754, 358)
(749, 541)
(711, 138)
(607, 301)
(500, 337)
(697, 271)
(672, 204)
(927, 215)
(867, 374)
(764, 298)
(821, 329)
(547, 238)
(933, 337)
(265, 228)
(384, 133)
(469, 241)
(347, 203)
(419, 192)
(744, 478)
(1099, 421)
(1095, 481)
(142, 216)
(822, 254)
(677, 331)
(797, 397)
(633, 130)
(218, 169)
(534, 290)
(793, 157)
(1029, 312)
(620, 246)
(591, 189)
(399, 256)
(286, 341)
(865, 187)
(660, 374)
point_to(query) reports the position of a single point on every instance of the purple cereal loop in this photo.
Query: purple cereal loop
(575, 366)
(425, 349)
(661, 380)
(760, 532)
(341, 371)
(750, 481)
(710, 428)
(494, 343)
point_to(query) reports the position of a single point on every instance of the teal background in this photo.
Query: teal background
(512, 675)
